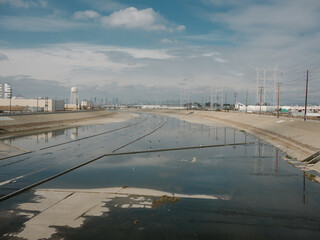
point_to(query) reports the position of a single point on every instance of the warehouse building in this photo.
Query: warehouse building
(39, 104)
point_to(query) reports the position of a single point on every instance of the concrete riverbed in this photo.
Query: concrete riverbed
(244, 191)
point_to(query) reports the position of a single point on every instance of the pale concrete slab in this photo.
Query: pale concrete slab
(70, 207)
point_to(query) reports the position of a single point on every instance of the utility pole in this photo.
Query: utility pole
(306, 101)
(246, 101)
(278, 102)
(235, 100)
(181, 101)
(188, 99)
(10, 106)
(217, 98)
(211, 98)
(260, 92)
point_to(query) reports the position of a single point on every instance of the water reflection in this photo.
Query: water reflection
(216, 133)
(276, 160)
(245, 146)
(74, 133)
(304, 188)
(35, 141)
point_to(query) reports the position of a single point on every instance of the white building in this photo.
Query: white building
(85, 104)
(254, 108)
(161, 107)
(71, 107)
(7, 91)
(294, 110)
(47, 105)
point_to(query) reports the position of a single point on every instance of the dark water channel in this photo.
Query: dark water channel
(263, 196)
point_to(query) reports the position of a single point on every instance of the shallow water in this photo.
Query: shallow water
(266, 196)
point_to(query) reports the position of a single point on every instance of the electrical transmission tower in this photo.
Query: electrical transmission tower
(261, 91)
(267, 78)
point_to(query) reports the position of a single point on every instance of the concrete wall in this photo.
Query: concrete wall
(53, 105)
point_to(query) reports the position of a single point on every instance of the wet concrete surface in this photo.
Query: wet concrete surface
(267, 197)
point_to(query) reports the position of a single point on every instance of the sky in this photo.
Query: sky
(156, 51)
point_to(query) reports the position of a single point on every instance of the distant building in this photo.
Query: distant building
(254, 108)
(86, 104)
(40, 104)
(160, 107)
(71, 107)
(7, 91)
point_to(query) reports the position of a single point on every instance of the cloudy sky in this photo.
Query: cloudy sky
(140, 50)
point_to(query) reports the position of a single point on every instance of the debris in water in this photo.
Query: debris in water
(135, 221)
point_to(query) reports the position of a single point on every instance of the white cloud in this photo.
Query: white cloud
(181, 28)
(219, 60)
(277, 17)
(3, 57)
(98, 66)
(43, 3)
(238, 74)
(25, 3)
(146, 53)
(77, 62)
(134, 18)
(129, 18)
(83, 15)
(145, 19)
(214, 55)
(211, 54)
(168, 41)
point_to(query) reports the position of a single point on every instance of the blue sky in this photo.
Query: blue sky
(157, 50)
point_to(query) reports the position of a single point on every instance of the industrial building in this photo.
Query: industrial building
(8, 103)
(39, 104)
(294, 110)
(5, 91)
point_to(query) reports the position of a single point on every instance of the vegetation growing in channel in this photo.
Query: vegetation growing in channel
(164, 199)
(288, 156)
(311, 176)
